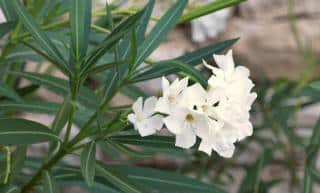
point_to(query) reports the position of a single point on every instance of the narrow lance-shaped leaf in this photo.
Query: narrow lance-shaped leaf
(40, 36)
(29, 106)
(9, 189)
(207, 9)
(312, 152)
(6, 27)
(8, 10)
(15, 131)
(80, 15)
(119, 180)
(88, 162)
(166, 182)
(48, 183)
(160, 31)
(142, 28)
(110, 41)
(7, 91)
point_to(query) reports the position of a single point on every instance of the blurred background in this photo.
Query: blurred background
(279, 43)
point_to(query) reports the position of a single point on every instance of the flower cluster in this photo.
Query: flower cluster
(218, 115)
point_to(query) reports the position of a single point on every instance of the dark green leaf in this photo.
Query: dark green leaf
(8, 92)
(88, 162)
(160, 31)
(117, 179)
(133, 92)
(61, 87)
(9, 189)
(175, 65)
(166, 182)
(142, 28)
(6, 27)
(22, 132)
(30, 106)
(8, 10)
(80, 15)
(111, 40)
(49, 184)
(150, 141)
(41, 38)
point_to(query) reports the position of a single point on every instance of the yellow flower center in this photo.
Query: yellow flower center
(189, 118)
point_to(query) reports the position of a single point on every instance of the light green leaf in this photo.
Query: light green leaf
(88, 162)
(7, 91)
(15, 131)
(48, 183)
(160, 31)
(41, 38)
(207, 9)
(315, 85)
(80, 15)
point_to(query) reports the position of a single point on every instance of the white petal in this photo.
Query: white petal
(145, 129)
(162, 106)
(224, 149)
(165, 84)
(205, 146)
(137, 106)
(149, 106)
(132, 118)
(156, 122)
(194, 95)
(173, 124)
(186, 139)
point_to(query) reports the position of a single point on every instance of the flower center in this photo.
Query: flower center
(139, 117)
(189, 118)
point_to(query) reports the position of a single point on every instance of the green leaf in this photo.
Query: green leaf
(142, 28)
(61, 87)
(315, 85)
(207, 9)
(80, 22)
(22, 132)
(111, 40)
(6, 27)
(8, 10)
(252, 181)
(133, 92)
(41, 38)
(192, 59)
(149, 141)
(196, 57)
(30, 106)
(88, 162)
(312, 154)
(8, 92)
(9, 189)
(18, 158)
(175, 65)
(48, 183)
(61, 117)
(117, 179)
(166, 182)
(160, 31)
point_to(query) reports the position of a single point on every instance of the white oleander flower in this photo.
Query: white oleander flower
(185, 124)
(171, 94)
(143, 117)
(229, 118)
